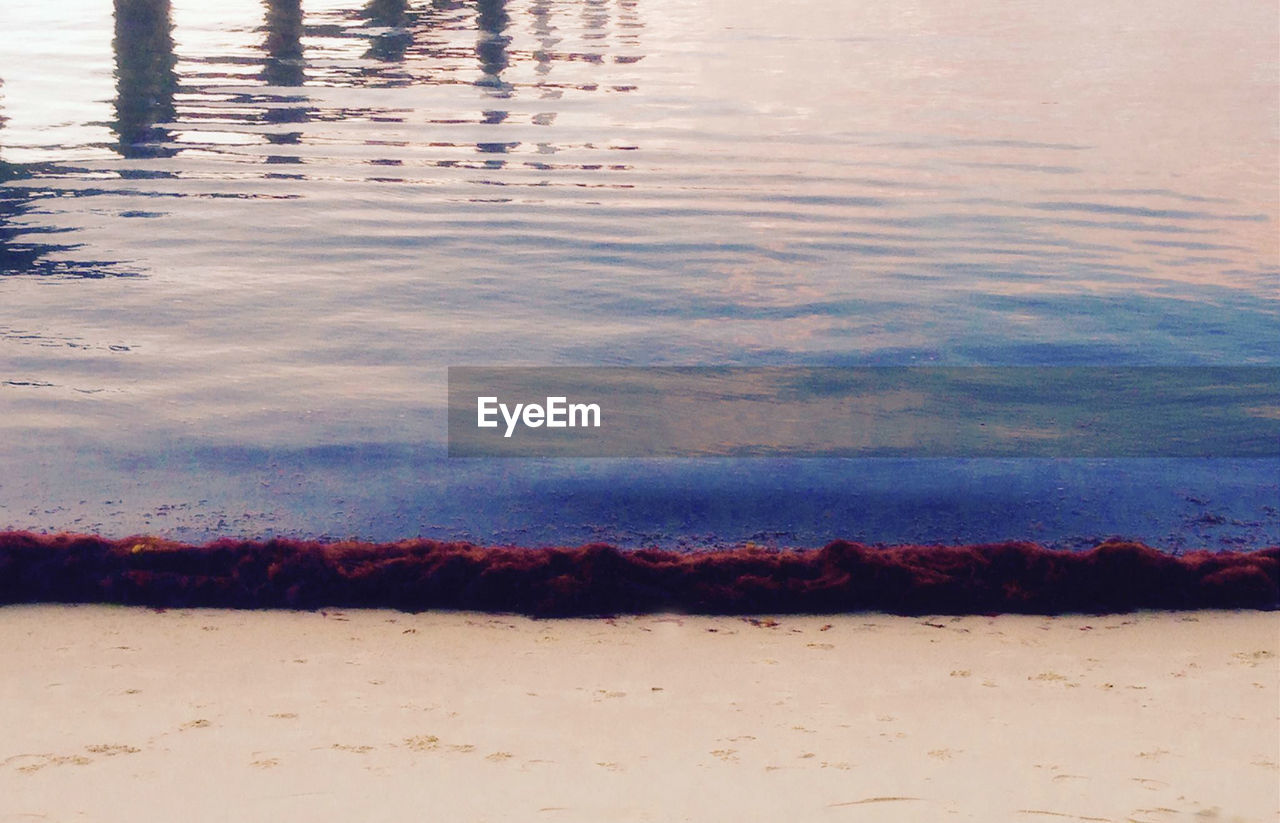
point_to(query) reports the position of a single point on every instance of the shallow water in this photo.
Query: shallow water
(241, 246)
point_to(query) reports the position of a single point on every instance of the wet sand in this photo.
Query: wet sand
(110, 713)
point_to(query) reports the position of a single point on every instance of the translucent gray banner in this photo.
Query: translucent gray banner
(1085, 411)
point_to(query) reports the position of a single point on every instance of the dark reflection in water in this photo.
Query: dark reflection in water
(491, 44)
(284, 66)
(595, 18)
(395, 17)
(13, 202)
(20, 252)
(146, 82)
(24, 251)
(171, 101)
(16, 256)
(408, 43)
(543, 29)
(145, 77)
(491, 48)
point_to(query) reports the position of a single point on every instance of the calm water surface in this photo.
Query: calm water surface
(242, 241)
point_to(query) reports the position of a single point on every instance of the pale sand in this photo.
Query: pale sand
(120, 714)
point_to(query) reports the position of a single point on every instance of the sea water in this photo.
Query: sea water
(243, 241)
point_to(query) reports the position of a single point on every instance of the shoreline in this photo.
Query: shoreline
(117, 713)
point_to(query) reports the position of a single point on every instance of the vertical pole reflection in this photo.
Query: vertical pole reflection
(629, 23)
(544, 57)
(390, 13)
(491, 48)
(393, 15)
(284, 65)
(491, 43)
(145, 77)
(595, 22)
(544, 30)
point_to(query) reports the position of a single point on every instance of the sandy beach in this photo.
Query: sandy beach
(111, 713)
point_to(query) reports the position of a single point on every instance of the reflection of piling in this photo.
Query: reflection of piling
(544, 30)
(595, 20)
(393, 15)
(629, 23)
(284, 64)
(491, 45)
(145, 76)
(390, 13)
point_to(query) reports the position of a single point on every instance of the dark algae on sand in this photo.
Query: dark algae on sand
(418, 575)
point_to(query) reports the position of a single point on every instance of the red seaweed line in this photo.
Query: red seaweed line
(418, 575)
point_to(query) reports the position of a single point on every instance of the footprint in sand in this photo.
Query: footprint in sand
(42, 760)
(1253, 658)
(112, 749)
(347, 747)
(1163, 813)
(1149, 784)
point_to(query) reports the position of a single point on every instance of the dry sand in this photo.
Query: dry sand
(126, 714)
